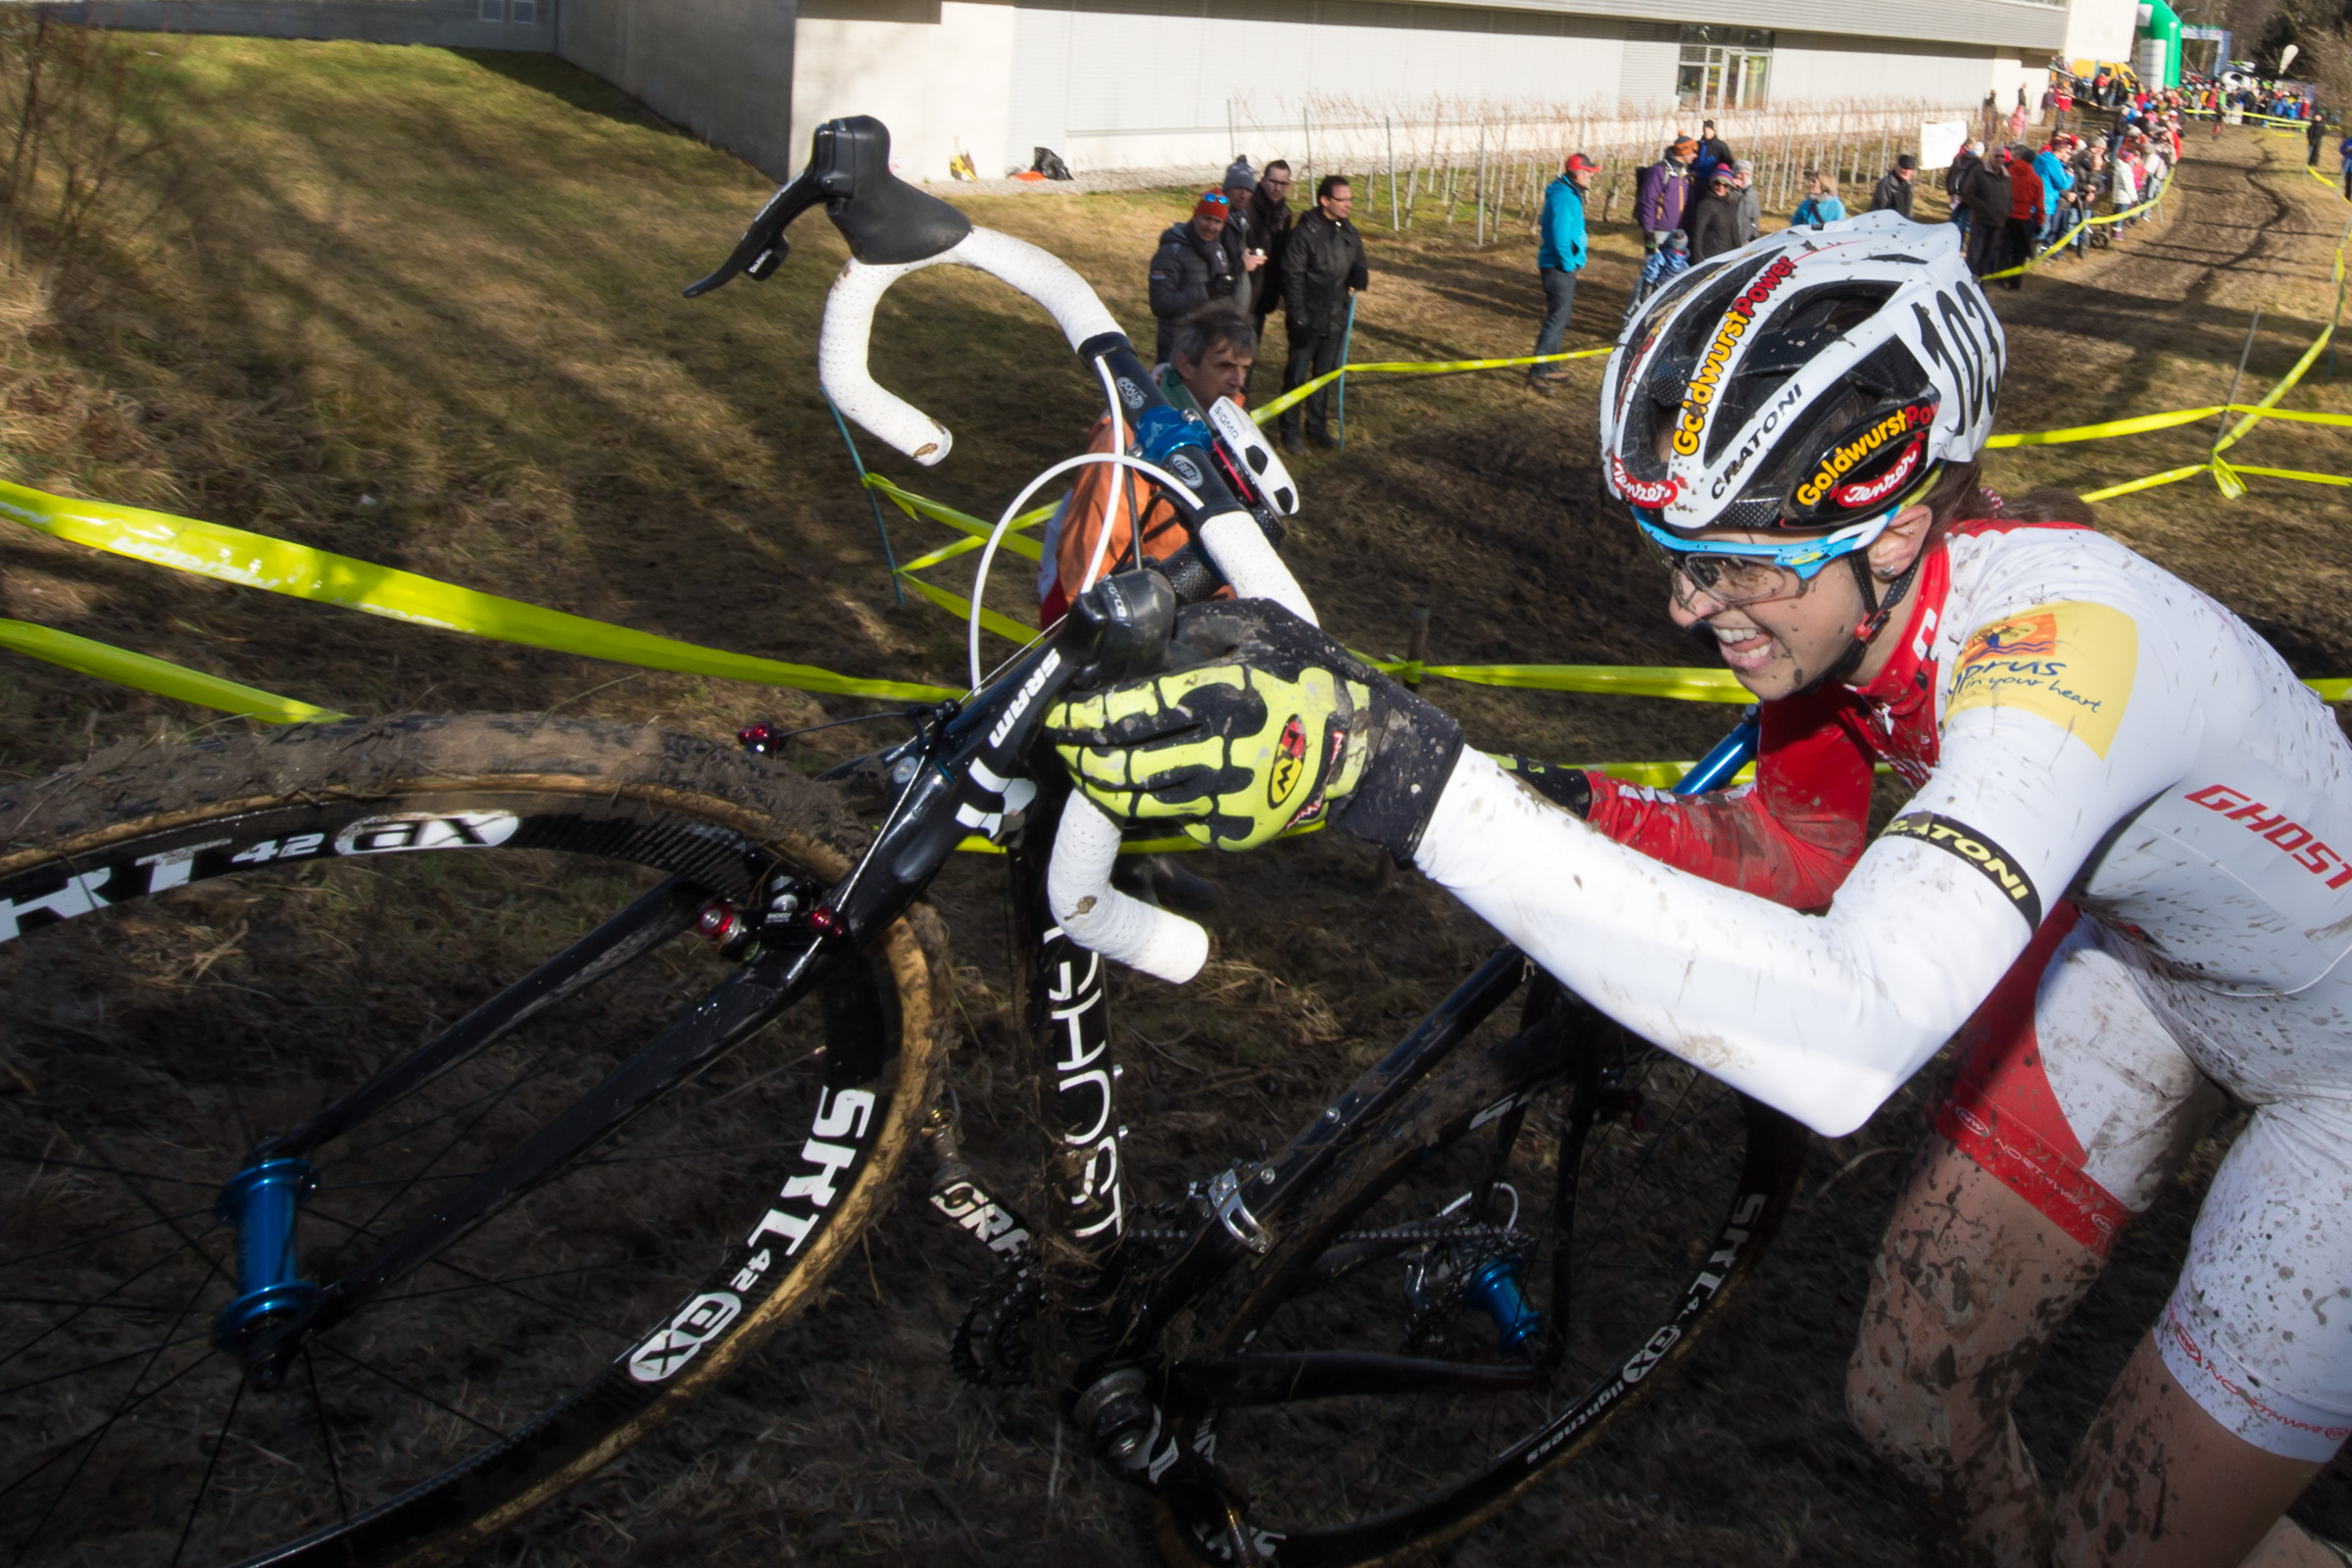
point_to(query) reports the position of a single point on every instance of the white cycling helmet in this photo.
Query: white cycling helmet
(1813, 379)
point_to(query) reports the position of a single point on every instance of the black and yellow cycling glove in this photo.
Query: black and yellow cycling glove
(1261, 723)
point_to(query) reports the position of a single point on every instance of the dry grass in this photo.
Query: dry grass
(422, 310)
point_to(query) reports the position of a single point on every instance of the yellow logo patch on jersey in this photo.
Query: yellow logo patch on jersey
(2070, 662)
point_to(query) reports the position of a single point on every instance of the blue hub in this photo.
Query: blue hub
(262, 1202)
(1495, 1289)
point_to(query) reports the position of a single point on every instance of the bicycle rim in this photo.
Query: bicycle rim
(215, 963)
(1674, 1186)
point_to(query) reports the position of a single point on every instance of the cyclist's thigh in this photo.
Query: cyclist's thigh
(2073, 1101)
(2259, 1326)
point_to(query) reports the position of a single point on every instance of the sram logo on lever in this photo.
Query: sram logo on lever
(1246, 446)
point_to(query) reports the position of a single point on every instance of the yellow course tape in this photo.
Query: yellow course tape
(1267, 410)
(163, 678)
(280, 567)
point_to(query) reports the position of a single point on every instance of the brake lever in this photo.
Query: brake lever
(884, 219)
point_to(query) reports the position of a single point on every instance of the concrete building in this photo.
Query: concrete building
(1167, 84)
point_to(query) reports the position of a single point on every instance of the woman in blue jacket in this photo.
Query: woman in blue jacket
(1821, 204)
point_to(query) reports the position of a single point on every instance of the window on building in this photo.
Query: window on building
(494, 9)
(1723, 68)
(526, 12)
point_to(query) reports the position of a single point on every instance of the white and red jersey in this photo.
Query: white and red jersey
(2079, 723)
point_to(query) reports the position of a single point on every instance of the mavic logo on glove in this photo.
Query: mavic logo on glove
(1290, 762)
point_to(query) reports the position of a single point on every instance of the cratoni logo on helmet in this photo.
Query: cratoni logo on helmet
(1843, 459)
(1886, 484)
(1641, 492)
(1700, 396)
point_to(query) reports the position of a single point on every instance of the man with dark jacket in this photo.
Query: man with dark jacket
(1893, 194)
(1713, 153)
(1269, 215)
(1714, 219)
(1663, 192)
(1986, 192)
(1955, 183)
(1239, 240)
(1191, 268)
(1322, 265)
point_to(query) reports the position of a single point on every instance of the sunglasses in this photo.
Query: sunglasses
(1735, 573)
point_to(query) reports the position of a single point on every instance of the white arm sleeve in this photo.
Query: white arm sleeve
(1822, 1017)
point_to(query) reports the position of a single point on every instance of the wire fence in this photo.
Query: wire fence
(1484, 164)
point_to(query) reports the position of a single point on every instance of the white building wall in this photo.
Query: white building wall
(1811, 67)
(939, 73)
(2100, 29)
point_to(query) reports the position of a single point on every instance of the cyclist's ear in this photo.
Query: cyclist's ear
(1893, 552)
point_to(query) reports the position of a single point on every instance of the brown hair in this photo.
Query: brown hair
(1960, 497)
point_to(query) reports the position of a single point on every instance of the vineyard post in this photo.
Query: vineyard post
(1390, 127)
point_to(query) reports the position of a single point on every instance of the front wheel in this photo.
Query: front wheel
(238, 971)
(1516, 1257)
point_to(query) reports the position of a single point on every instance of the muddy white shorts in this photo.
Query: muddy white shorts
(2076, 1093)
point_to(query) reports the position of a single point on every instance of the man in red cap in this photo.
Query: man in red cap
(1193, 266)
(1558, 258)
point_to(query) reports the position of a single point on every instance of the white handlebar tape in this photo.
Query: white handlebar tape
(1247, 560)
(848, 333)
(1041, 275)
(1098, 917)
(841, 350)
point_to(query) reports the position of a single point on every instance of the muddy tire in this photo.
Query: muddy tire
(203, 945)
(1626, 1196)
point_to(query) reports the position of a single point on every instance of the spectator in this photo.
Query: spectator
(1663, 192)
(1322, 265)
(2124, 183)
(1558, 258)
(2050, 165)
(1895, 192)
(1269, 228)
(1987, 193)
(1821, 204)
(1714, 219)
(2028, 210)
(1215, 348)
(1242, 249)
(1750, 200)
(1670, 260)
(1713, 153)
(2312, 134)
(1955, 183)
(2343, 155)
(2049, 103)
(1191, 268)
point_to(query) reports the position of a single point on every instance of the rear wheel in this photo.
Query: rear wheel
(1537, 1236)
(202, 947)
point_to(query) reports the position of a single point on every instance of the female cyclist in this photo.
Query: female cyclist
(2123, 881)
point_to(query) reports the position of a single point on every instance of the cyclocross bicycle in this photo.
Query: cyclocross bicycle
(359, 1256)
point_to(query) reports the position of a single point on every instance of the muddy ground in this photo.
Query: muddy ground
(424, 311)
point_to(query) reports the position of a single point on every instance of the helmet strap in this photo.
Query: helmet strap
(1876, 610)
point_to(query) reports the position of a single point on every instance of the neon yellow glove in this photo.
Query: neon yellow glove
(1265, 724)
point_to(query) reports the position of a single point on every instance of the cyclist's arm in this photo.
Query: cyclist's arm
(1790, 837)
(1825, 1016)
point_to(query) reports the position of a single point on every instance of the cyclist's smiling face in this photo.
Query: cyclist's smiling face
(1778, 645)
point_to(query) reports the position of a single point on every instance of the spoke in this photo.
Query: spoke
(71, 1317)
(502, 1283)
(415, 1394)
(196, 1504)
(158, 1307)
(482, 1280)
(106, 1170)
(326, 1436)
(156, 1348)
(103, 1236)
(99, 1431)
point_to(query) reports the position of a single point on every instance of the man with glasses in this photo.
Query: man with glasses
(2121, 884)
(1269, 213)
(1322, 270)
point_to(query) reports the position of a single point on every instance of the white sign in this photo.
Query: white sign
(1940, 142)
